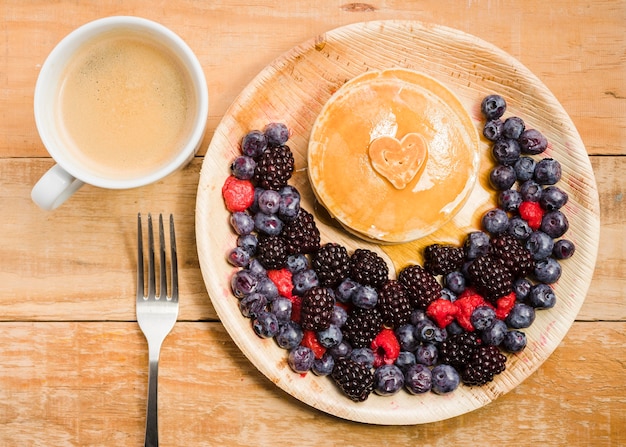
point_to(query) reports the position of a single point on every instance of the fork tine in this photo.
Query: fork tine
(174, 260)
(151, 273)
(163, 277)
(139, 258)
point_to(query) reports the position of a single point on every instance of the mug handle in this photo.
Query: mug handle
(54, 188)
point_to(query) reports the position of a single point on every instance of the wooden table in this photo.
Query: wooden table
(73, 362)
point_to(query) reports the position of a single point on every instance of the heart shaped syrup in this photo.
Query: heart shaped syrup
(398, 161)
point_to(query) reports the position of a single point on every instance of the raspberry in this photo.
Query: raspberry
(317, 308)
(422, 286)
(274, 168)
(458, 349)
(490, 277)
(368, 269)
(238, 194)
(301, 234)
(441, 259)
(362, 326)
(515, 256)
(485, 362)
(296, 308)
(272, 252)
(282, 279)
(442, 312)
(504, 305)
(386, 348)
(465, 304)
(532, 213)
(355, 380)
(309, 339)
(331, 264)
(393, 302)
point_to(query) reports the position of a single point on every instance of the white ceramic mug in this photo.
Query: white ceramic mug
(71, 170)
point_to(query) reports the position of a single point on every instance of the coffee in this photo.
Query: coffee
(126, 106)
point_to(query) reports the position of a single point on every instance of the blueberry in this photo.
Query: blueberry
(492, 130)
(522, 287)
(289, 205)
(365, 297)
(388, 380)
(339, 316)
(548, 171)
(448, 294)
(495, 221)
(268, 224)
(301, 359)
(281, 307)
(252, 305)
(524, 168)
(405, 360)
(541, 296)
(506, 151)
(304, 280)
(531, 191)
(297, 263)
(502, 177)
(418, 379)
(519, 228)
(554, 224)
(249, 242)
(242, 222)
(407, 338)
(493, 106)
(494, 334)
(363, 356)
(513, 127)
(239, 257)
(476, 244)
(276, 134)
(426, 354)
(553, 198)
(514, 341)
(540, 245)
(417, 316)
(324, 365)
(330, 336)
(426, 331)
(254, 208)
(265, 325)
(256, 268)
(243, 167)
(454, 328)
(243, 283)
(267, 287)
(445, 379)
(345, 290)
(289, 335)
(548, 271)
(563, 249)
(268, 201)
(521, 316)
(254, 143)
(532, 142)
(509, 200)
(342, 350)
(482, 317)
(455, 281)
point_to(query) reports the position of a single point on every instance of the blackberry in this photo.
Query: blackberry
(362, 326)
(422, 286)
(331, 264)
(301, 234)
(272, 252)
(441, 259)
(355, 380)
(514, 255)
(394, 305)
(486, 362)
(490, 276)
(274, 168)
(317, 308)
(367, 268)
(457, 350)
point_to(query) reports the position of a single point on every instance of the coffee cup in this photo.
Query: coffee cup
(120, 102)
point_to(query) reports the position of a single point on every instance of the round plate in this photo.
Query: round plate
(293, 90)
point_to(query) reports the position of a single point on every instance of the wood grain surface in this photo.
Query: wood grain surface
(73, 368)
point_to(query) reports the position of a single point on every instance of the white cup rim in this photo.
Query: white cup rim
(73, 41)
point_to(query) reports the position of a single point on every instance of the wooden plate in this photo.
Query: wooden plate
(293, 90)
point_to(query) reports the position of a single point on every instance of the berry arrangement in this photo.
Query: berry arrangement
(451, 321)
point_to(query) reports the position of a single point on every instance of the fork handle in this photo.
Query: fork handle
(152, 420)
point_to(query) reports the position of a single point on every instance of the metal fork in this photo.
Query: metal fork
(156, 314)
